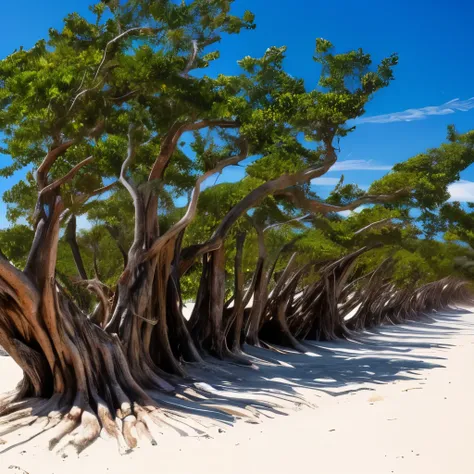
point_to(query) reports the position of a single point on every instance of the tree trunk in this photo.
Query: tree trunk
(236, 320)
(81, 371)
(72, 241)
(252, 328)
(206, 322)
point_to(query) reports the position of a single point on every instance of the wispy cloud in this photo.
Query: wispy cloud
(357, 165)
(325, 181)
(409, 115)
(462, 191)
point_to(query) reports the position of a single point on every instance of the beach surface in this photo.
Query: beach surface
(398, 400)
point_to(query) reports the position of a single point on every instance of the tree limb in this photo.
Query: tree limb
(102, 190)
(49, 160)
(57, 151)
(190, 254)
(71, 239)
(374, 225)
(67, 177)
(171, 139)
(125, 165)
(121, 35)
(192, 206)
(278, 224)
(297, 196)
(191, 60)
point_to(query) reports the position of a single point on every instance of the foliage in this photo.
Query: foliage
(137, 73)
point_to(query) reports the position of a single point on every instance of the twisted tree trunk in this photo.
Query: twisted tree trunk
(81, 371)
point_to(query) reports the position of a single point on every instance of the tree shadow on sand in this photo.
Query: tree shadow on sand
(220, 393)
(378, 356)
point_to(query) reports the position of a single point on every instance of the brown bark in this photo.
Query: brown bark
(71, 239)
(206, 325)
(297, 196)
(236, 320)
(190, 254)
(252, 328)
(147, 303)
(89, 372)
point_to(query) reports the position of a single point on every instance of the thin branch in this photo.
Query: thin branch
(278, 224)
(128, 94)
(192, 206)
(113, 40)
(67, 177)
(375, 224)
(130, 156)
(104, 57)
(82, 82)
(171, 141)
(49, 160)
(191, 60)
(103, 189)
(58, 150)
(298, 197)
(99, 289)
(93, 282)
(149, 321)
(115, 234)
(85, 197)
(71, 239)
(80, 94)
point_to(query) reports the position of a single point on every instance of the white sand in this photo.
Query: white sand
(415, 419)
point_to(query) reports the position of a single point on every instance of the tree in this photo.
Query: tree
(428, 176)
(115, 125)
(87, 100)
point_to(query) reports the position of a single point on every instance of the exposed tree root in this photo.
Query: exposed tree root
(82, 381)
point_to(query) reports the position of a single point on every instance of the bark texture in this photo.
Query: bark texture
(130, 365)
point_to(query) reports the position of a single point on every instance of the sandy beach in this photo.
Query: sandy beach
(399, 400)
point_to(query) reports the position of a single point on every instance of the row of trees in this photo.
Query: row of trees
(114, 120)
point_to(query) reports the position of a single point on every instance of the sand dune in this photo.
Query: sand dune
(397, 400)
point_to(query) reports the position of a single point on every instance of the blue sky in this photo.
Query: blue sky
(433, 38)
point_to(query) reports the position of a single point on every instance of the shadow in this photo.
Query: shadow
(218, 392)
(378, 356)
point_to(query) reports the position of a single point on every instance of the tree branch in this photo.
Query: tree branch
(297, 196)
(121, 35)
(374, 225)
(126, 164)
(171, 139)
(191, 60)
(278, 224)
(71, 239)
(192, 206)
(190, 254)
(83, 198)
(102, 190)
(50, 158)
(57, 151)
(67, 177)
(80, 94)
(115, 234)
(99, 289)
